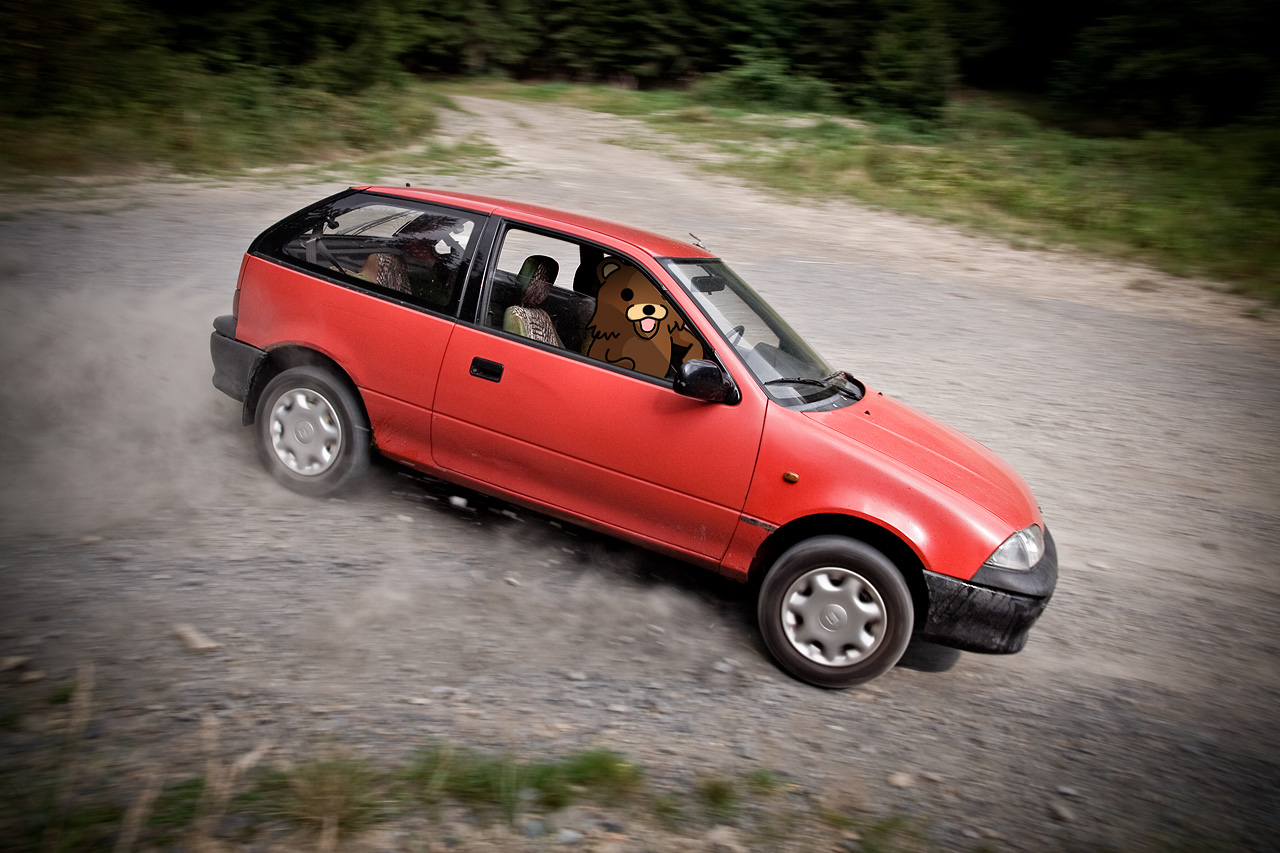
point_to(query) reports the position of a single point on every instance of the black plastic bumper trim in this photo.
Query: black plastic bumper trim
(234, 363)
(225, 324)
(977, 618)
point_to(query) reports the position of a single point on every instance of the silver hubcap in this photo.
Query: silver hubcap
(833, 616)
(305, 432)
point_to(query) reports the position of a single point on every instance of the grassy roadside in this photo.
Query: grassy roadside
(65, 790)
(66, 787)
(1205, 204)
(205, 124)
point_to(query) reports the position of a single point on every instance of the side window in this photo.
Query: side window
(537, 290)
(413, 252)
(575, 296)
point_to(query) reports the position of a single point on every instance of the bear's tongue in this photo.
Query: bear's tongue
(648, 324)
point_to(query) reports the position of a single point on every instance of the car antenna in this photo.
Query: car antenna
(696, 240)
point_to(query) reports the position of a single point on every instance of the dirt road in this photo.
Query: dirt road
(1142, 410)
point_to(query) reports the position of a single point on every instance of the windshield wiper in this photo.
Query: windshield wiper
(797, 380)
(825, 382)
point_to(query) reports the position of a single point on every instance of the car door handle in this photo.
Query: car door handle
(486, 369)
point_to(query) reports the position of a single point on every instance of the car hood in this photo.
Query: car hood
(937, 451)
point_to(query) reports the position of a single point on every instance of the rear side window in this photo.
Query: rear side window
(411, 251)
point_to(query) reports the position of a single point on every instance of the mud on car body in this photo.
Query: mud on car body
(632, 384)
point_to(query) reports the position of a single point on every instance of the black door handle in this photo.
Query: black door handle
(486, 369)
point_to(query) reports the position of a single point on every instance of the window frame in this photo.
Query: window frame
(505, 225)
(270, 246)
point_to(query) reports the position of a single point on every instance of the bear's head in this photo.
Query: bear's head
(629, 303)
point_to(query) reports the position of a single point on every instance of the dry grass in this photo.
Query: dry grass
(220, 781)
(333, 796)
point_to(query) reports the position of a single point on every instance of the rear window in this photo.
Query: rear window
(410, 251)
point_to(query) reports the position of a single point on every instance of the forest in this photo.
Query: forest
(1118, 67)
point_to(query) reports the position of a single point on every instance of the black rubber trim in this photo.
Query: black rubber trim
(977, 618)
(764, 525)
(1039, 582)
(269, 241)
(225, 325)
(473, 285)
(234, 363)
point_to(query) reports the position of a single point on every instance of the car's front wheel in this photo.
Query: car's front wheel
(835, 612)
(312, 433)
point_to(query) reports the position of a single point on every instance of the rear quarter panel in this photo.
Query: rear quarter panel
(391, 351)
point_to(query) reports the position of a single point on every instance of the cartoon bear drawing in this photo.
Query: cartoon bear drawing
(634, 326)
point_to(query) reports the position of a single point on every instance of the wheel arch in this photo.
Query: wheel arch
(902, 555)
(280, 359)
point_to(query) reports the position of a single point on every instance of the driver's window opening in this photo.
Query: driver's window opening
(410, 252)
(578, 297)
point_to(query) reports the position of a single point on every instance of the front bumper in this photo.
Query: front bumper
(994, 610)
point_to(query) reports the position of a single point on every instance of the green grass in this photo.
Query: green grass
(718, 796)
(206, 123)
(62, 695)
(764, 782)
(504, 783)
(175, 809)
(1204, 203)
(608, 99)
(1188, 205)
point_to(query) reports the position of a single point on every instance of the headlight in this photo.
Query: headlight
(1020, 551)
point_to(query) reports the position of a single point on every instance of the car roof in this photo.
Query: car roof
(648, 242)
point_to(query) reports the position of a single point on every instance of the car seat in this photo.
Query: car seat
(528, 319)
(584, 278)
(386, 270)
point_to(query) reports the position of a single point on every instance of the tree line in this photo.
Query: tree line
(1138, 64)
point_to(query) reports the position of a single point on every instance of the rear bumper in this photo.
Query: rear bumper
(234, 362)
(992, 612)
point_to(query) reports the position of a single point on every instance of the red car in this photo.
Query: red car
(635, 385)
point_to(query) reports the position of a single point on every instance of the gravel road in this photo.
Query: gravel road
(1142, 410)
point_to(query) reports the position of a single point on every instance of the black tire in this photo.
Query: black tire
(858, 608)
(312, 433)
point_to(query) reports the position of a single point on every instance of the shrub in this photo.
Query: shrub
(764, 82)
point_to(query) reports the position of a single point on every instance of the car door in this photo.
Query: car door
(602, 442)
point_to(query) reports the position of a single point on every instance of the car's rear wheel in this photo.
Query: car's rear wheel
(835, 612)
(312, 433)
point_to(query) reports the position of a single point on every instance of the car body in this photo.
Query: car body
(651, 395)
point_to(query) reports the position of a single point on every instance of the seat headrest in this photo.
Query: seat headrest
(537, 274)
(538, 266)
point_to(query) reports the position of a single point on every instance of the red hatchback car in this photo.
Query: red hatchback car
(635, 385)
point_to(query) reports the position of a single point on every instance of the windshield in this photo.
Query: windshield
(790, 372)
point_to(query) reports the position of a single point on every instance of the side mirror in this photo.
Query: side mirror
(704, 380)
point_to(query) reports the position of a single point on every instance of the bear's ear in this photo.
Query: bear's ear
(606, 268)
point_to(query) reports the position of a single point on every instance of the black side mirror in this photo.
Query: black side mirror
(704, 380)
